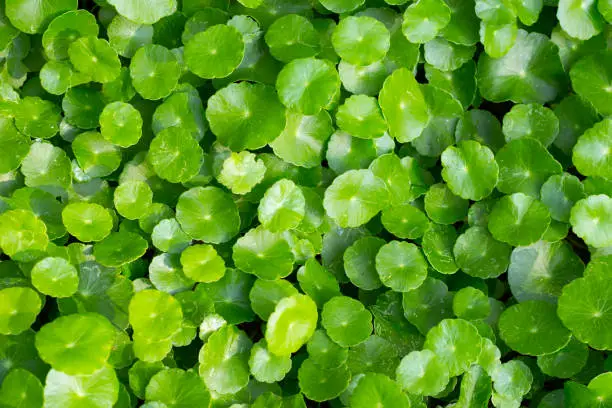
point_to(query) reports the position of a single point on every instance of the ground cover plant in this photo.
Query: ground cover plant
(301, 203)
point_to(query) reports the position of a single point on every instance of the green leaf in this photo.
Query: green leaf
(55, 277)
(100, 389)
(405, 221)
(96, 156)
(437, 243)
(481, 126)
(580, 19)
(341, 6)
(422, 373)
(17, 146)
(154, 70)
(95, 57)
(37, 118)
(512, 380)
(302, 140)
(120, 248)
(456, 343)
(401, 266)
(87, 221)
(346, 321)
(131, 198)
(470, 170)
(144, 12)
(318, 88)
(224, 360)
(291, 325)
(126, 36)
(475, 387)
(446, 55)
(319, 384)
(540, 271)
(177, 388)
(361, 40)
(581, 309)
(460, 83)
(230, 295)
(33, 16)
(291, 37)
(521, 327)
(378, 390)
(264, 254)
(359, 263)
(591, 219)
(245, 116)
(175, 155)
(282, 207)
(592, 153)
(167, 236)
(317, 282)
(23, 236)
(498, 38)
(354, 198)
(524, 166)
(20, 306)
(530, 72)
(375, 354)
(480, 255)
(559, 193)
(241, 172)
(21, 388)
(215, 52)
(404, 178)
(201, 263)
(324, 352)
(265, 295)
(360, 116)
(76, 344)
(592, 79)
(82, 107)
(360, 80)
(267, 367)
(518, 220)
(208, 214)
(121, 124)
(471, 304)
(443, 207)
(566, 362)
(66, 28)
(533, 121)
(424, 19)
(156, 314)
(345, 152)
(403, 106)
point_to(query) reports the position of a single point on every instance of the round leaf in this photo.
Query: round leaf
(87, 221)
(354, 198)
(518, 220)
(317, 89)
(401, 266)
(208, 214)
(533, 328)
(18, 310)
(55, 277)
(470, 170)
(245, 116)
(77, 343)
(215, 52)
(175, 155)
(291, 325)
(346, 321)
